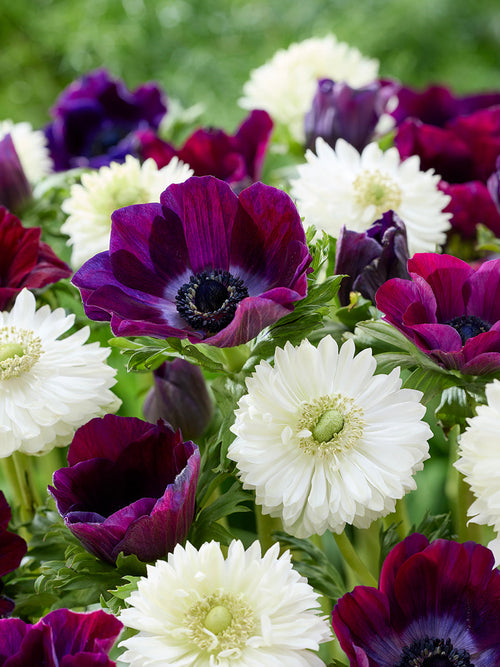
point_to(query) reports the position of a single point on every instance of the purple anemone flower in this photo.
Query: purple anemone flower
(130, 487)
(15, 189)
(436, 105)
(449, 310)
(437, 605)
(95, 120)
(371, 258)
(204, 264)
(12, 550)
(341, 112)
(62, 638)
(25, 261)
(236, 159)
(180, 397)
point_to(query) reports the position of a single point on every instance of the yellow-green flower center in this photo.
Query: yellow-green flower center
(329, 425)
(20, 349)
(220, 622)
(377, 189)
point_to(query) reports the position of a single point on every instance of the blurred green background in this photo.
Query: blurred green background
(203, 50)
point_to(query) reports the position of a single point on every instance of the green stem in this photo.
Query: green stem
(266, 525)
(400, 517)
(28, 494)
(365, 577)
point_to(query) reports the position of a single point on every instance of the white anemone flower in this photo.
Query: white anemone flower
(49, 386)
(340, 186)
(285, 86)
(31, 148)
(479, 462)
(246, 610)
(92, 202)
(325, 442)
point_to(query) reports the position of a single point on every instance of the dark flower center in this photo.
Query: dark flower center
(106, 138)
(208, 301)
(469, 326)
(434, 653)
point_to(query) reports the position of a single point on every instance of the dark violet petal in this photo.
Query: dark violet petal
(470, 204)
(15, 189)
(87, 660)
(167, 246)
(12, 633)
(413, 544)
(12, 550)
(353, 253)
(5, 512)
(480, 131)
(130, 231)
(395, 297)
(105, 437)
(149, 145)
(253, 136)
(437, 337)
(93, 632)
(207, 208)
(36, 648)
(212, 152)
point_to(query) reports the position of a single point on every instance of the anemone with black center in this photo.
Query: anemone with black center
(468, 326)
(105, 138)
(434, 652)
(208, 301)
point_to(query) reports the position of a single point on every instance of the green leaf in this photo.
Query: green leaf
(430, 382)
(438, 526)
(456, 407)
(311, 562)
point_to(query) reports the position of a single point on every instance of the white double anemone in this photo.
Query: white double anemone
(323, 441)
(91, 204)
(479, 462)
(31, 148)
(49, 386)
(340, 186)
(245, 610)
(285, 86)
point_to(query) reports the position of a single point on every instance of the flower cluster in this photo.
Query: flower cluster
(298, 324)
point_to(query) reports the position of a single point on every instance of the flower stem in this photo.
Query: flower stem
(365, 577)
(266, 526)
(400, 517)
(28, 496)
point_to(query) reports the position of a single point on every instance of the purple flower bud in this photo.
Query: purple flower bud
(130, 487)
(61, 638)
(372, 257)
(493, 184)
(179, 396)
(15, 189)
(341, 112)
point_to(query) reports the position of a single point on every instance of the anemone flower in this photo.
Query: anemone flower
(12, 550)
(130, 487)
(62, 638)
(236, 159)
(25, 261)
(437, 604)
(203, 264)
(449, 310)
(95, 118)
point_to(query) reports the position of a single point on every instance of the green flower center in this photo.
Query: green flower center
(20, 349)
(374, 188)
(220, 622)
(329, 425)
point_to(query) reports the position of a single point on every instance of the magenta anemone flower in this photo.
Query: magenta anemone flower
(449, 310)
(369, 259)
(12, 550)
(236, 159)
(62, 638)
(437, 605)
(15, 189)
(95, 119)
(341, 112)
(180, 397)
(204, 264)
(130, 487)
(25, 261)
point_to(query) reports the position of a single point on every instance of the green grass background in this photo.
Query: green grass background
(203, 50)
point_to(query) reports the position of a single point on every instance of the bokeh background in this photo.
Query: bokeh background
(203, 50)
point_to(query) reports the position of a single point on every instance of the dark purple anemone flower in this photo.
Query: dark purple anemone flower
(370, 258)
(236, 159)
(341, 112)
(62, 638)
(12, 550)
(436, 105)
(15, 189)
(204, 264)
(180, 397)
(437, 605)
(96, 117)
(25, 261)
(449, 310)
(130, 487)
